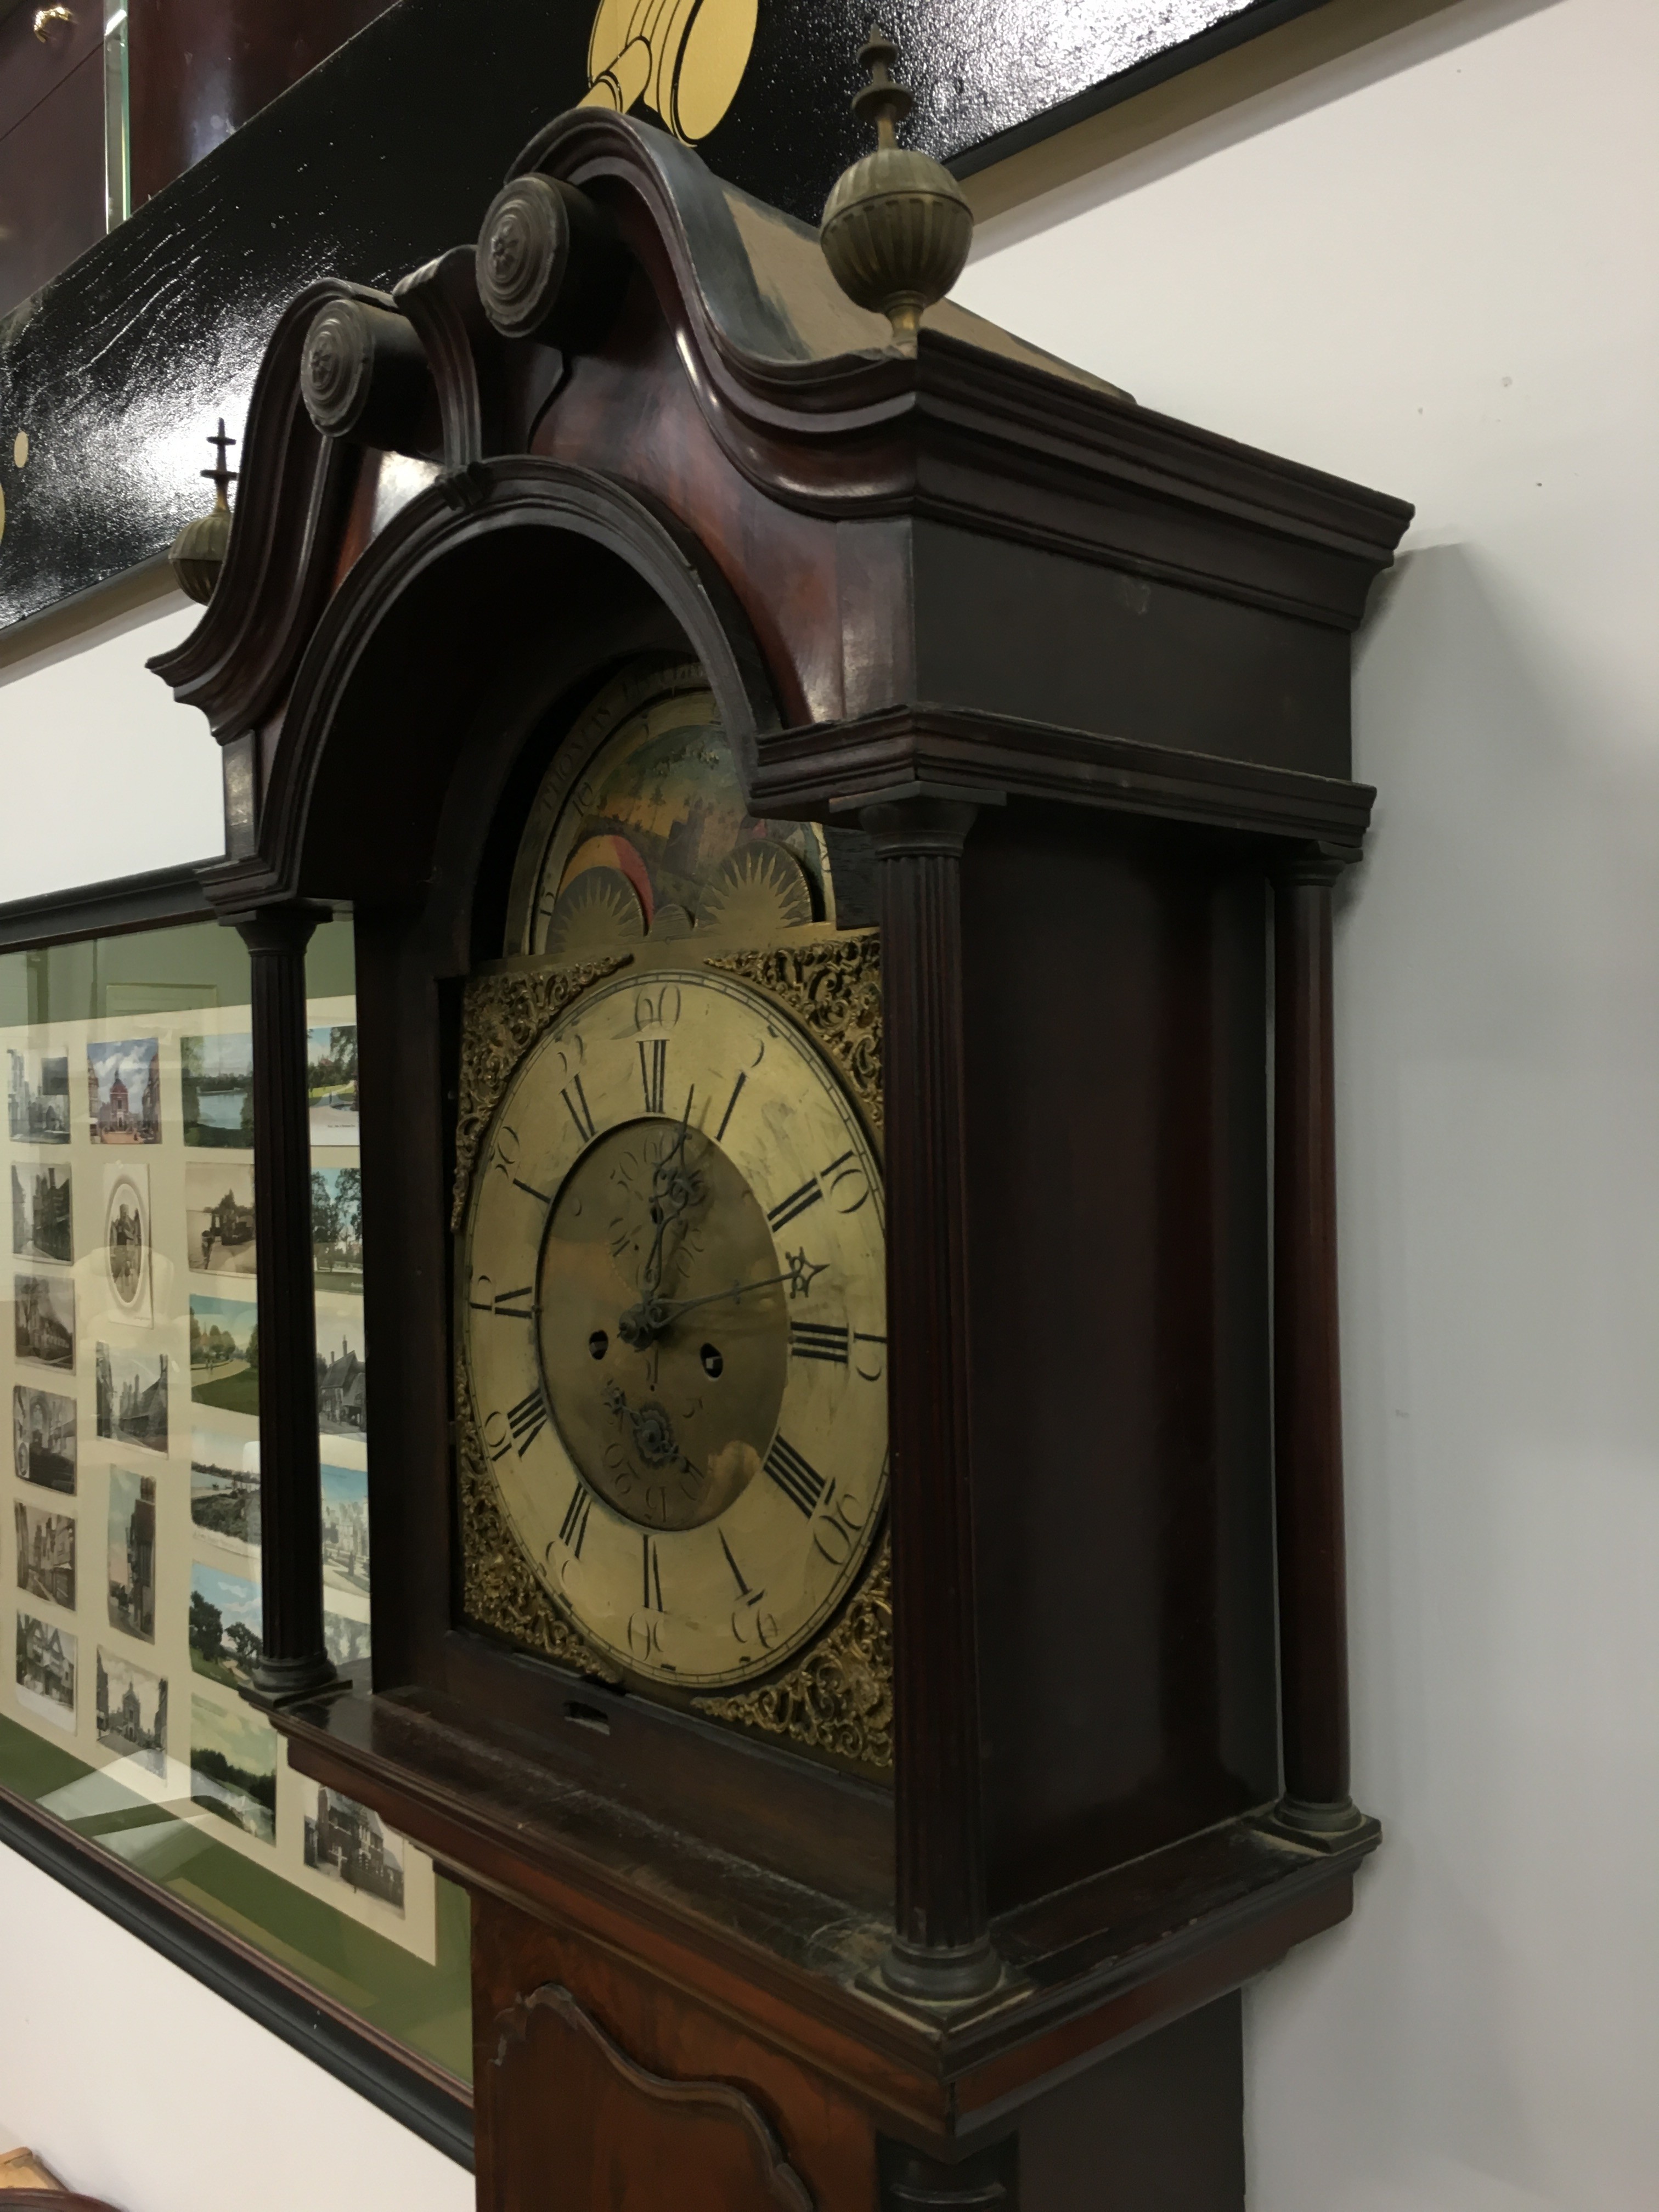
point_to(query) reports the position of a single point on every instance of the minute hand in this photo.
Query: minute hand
(673, 1307)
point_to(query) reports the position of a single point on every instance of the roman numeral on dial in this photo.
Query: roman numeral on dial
(811, 1340)
(510, 1305)
(527, 1420)
(797, 1478)
(653, 1072)
(575, 1099)
(573, 1529)
(797, 1202)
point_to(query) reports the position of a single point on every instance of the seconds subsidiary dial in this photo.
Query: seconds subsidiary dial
(674, 1326)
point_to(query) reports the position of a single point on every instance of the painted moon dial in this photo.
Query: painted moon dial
(674, 1314)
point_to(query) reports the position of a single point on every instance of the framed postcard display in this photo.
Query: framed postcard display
(130, 1559)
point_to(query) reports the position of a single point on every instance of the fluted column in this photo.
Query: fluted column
(294, 1661)
(1313, 1626)
(940, 1948)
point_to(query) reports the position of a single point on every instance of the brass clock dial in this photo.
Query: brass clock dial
(674, 1321)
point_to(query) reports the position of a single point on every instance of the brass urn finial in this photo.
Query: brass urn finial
(197, 553)
(895, 228)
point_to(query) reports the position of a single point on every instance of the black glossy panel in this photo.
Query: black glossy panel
(391, 150)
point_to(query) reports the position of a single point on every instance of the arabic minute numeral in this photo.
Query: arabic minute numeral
(811, 1340)
(797, 1478)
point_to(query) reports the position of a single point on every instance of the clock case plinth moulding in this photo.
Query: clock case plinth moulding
(1083, 671)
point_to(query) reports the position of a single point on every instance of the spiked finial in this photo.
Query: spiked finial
(895, 228)
(197, 553)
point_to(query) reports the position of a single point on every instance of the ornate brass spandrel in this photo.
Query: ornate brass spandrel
(833, 988)
(500, 1589)
(838, 1699)
(503, 1017)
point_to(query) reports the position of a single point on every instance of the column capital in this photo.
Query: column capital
(1312, 867)
(285, 928)
(906, 827)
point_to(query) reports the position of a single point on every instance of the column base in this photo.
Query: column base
(277, 1682)
(943, 1975)
(1334, 1826)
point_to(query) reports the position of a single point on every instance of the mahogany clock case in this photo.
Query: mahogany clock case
(1094, 664)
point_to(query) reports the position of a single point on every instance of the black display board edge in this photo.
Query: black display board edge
(1111, 91)
(155, 900)
(303, 2020)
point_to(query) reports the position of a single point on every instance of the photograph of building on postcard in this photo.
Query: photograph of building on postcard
(224, 1486)
(224, 1354)
(123, 1088)
(132, 1711)
(41, 1226)
(42, 1437)
(219, 1217)
(37, 1097)
(233, 1766)
(46, 1659)
(345, 1528)
(341, 1375)
(132, 1396)
(227, 1625)
(132, 1553)
(45, 1554)
(43, 1320)
(333, 1055)
(346, 1840)
(215, 1085)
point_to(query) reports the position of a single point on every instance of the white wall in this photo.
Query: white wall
(1431, 267)
(134, 2082)
(103, 773)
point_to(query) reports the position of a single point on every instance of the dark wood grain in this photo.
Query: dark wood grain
(1117, 1176)
(616, 2091)
(939, 1911)
(1307, 1372)
(295, 1659)
(578, 2110)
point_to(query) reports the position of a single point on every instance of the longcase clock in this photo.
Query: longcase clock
(827, 799)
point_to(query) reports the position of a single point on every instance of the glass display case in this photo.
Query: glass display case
(129, 1554)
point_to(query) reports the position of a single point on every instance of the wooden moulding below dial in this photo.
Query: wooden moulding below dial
(1085, 1969)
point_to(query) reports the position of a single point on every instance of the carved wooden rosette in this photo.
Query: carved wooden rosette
(837, 1698)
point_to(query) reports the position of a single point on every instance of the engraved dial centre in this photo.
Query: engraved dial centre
(664, 1324)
